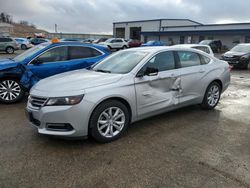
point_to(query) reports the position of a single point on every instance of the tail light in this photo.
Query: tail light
(230, 67)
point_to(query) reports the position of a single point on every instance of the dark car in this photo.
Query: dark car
(19, 74)
(134, 43)
(9, 45)
(216, 45)
(37, 41)
(238, 56)
(97, 41)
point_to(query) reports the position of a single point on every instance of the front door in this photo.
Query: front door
(158, 91)
(53, 61)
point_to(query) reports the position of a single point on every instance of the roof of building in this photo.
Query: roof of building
(158, 20)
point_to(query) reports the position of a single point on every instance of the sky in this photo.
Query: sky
(97, 16)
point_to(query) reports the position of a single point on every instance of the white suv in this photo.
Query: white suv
(115, 43)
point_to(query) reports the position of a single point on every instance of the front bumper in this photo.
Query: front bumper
(76, 117)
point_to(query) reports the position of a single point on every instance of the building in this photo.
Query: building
(77, 35)
(5, 29)
(180, 31)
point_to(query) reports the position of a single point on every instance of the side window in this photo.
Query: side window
(118, 40)
(189, 59)
(162, 61)
(79, 52)
(204, 60)
(54, 55)
(1, 40)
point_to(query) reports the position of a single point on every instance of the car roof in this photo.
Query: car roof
(244, 44)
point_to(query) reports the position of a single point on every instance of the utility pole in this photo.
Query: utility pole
(55, 28)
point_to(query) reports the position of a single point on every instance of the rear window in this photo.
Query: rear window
(202, 48)
(79, 52)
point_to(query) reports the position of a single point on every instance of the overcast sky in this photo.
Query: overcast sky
(97, 16)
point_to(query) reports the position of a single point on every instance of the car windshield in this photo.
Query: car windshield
(205, 42)
(241, 48)
(30, 52)
(121, 62)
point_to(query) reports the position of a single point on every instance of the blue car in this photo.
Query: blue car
(154, 43)
(19, 74)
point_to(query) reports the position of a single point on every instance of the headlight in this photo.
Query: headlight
(60, 101)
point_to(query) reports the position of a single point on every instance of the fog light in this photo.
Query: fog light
(59, 127)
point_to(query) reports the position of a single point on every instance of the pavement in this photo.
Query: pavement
(188, 147)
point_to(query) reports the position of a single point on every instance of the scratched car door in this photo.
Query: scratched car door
(160, 91)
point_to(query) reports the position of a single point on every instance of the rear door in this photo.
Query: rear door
(193, 72)
(159, 91)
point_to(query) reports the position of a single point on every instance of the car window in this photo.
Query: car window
(79, 52)
(188, 59)
(118, 40)
(202, 48)
(204, 59)
(162, 61)
(5, 40)
(54, 55)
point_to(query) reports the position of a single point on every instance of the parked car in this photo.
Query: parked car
(205, 48)
(70, 40)
(8, 45)
(97, 41)
(89, 40)
(238, 56)
(17, 75)
(134, 43)
(23, 43)
(115, 43)
(36, 41)
(153, 43)
(216, 45)
(127, 86)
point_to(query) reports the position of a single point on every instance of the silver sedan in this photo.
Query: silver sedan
(127, 86)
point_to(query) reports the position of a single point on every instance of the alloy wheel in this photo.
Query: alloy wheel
(213, 95)
(111, 122)
(9, 90)
(10, 50)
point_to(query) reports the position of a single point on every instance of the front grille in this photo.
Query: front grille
(234, 58)
(37, 101)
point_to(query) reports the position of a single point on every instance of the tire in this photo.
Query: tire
(11, 91)
(109, 47)
(104, 128)
(124, 47)
(212, 96)
(9, 50)
(23, 47)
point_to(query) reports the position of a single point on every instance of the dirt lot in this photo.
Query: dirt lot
(185, 148)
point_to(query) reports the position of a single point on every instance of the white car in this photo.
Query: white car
(205, 48)
(115, 43)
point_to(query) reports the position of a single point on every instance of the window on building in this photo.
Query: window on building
(236, 39)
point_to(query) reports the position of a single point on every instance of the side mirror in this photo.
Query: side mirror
(151, 71)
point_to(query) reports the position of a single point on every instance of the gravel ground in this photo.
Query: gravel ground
(184, 148)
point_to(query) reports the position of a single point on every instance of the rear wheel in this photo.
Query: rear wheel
(23, 47)
(212, 96)
(10, 50)
(109, 121)
(11, 91)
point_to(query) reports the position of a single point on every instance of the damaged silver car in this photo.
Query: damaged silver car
(127, 86)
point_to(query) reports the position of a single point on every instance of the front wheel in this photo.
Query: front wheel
(23, 47)
(212, 96)
(109, 121)
(11, 91)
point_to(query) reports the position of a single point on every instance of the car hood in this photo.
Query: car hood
(232, 54)
(76, 81)
(7, 63)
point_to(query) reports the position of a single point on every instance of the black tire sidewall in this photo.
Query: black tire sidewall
(21, 95)
(93, 130)
(205, 104)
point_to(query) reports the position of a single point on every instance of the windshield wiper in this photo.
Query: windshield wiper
(101, 70)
